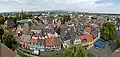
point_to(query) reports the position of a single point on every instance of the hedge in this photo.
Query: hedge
(21, 54)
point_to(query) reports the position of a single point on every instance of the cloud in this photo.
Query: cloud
(74, 1)
(76, 5)
(18, 1)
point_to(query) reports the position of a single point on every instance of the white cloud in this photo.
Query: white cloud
(76, 5)
(74, 1)
(19, 1)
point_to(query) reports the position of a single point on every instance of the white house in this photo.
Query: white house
(66, 44)
(77, 41)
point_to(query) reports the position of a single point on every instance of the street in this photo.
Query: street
(105, 52)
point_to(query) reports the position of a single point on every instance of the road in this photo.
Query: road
(105, 52)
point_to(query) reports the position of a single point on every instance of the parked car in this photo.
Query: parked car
(36, 52)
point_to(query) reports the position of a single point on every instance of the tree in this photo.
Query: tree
(8, 39)
(13, 19)
(57, 30)
(1, 32)
(65, 18)
(117, 41)
(26, 16)
(52, 17)
(75, 51)
(2, 20)
(108, 31)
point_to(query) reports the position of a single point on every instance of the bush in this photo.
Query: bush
(59, 55)
(21, 54)
(24, 50)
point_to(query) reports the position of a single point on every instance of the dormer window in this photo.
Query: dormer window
(118, 27)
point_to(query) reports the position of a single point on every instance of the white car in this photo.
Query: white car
(36, 52)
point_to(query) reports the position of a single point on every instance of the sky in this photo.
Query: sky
(107, 6)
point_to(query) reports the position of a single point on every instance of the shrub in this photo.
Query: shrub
(21, 53)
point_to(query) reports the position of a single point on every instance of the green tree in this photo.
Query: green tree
(26, 16)
(117, 41)
(2, 20)
(1, 32)
(13, 19)
(75, 51)
(8, 39)
(51, 16)
(108, 31)
(65, 18)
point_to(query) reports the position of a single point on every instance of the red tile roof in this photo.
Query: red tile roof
(89, 38)
(33, 40)
(51, 41)
(82, 37)
(49, 27)
(88, 24)
(22, 43)
(88, 29)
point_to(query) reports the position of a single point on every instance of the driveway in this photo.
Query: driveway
(105, 52)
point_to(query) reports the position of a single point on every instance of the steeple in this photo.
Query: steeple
(21, 14)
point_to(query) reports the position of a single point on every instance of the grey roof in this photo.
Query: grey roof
(26, 38)
(10, 23)
(71, 31)
(50, 21)
(52, 30)
(38, 27)
(58, 41)
(62, 32)
(67, 37)
(118, 33)
(66, 34)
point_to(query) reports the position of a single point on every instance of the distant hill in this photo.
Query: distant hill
(38, 11)
(8, 12)
(59, 11)
(56, 11)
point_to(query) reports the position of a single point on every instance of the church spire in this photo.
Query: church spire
(21, 14)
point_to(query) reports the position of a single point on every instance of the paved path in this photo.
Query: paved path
(5, 51)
